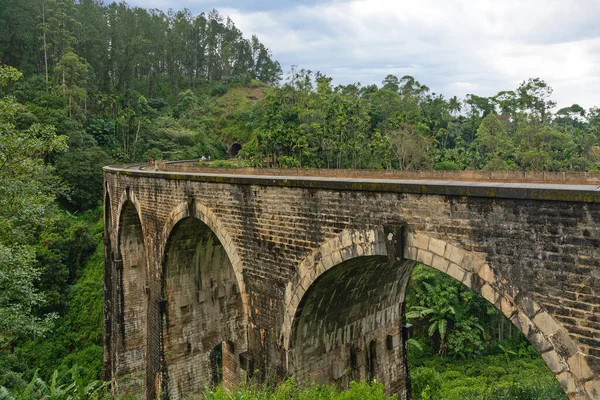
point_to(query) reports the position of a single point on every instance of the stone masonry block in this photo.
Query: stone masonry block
(411, 239)
(329, 246)
(546, 323)
(539, 341)
(488, 293)
(473, 262)
(592, 388)
(422, 241)
(456, 272)
(486, 273)
(327, 262)
(468, 279)
(454, 254)
(347, 239)
(410, 253)
(440, 263)
(554, 362)
(424, 257)
(579, 366)
(507, 307)
(370, 235)
(337, 257)
(437, 246)
(563, 343)
(530, 308)
(567, 382)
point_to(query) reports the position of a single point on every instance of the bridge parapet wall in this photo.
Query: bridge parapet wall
(586, 178)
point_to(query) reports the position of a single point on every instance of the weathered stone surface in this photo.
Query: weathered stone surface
(554, 362)
(437, 246)
(579, 366)
(243, 273)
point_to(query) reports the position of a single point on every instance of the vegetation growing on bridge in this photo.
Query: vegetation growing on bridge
(106, 84)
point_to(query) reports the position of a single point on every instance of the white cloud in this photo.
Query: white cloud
(454, 46)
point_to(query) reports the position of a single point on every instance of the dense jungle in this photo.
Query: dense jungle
(84, 84)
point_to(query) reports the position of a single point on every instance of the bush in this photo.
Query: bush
(218, 90)
(447, 166)
(289, 390)
(425, 380)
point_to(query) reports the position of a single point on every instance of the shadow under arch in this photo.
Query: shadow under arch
(108, 239)
(560, 352)
(130, 308)
(202, 303)
(344, 312)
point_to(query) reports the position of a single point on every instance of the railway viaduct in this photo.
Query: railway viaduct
(303, 272)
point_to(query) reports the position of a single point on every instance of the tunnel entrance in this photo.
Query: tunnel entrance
(203, 306)
(235, 149)
(345, 321)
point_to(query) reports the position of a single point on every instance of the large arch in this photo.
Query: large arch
(560, 352)
(202, 301)
(194, 209)
(130, 311)
(348, 325)
(108, 238)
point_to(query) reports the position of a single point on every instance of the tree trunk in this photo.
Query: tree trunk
(45, 45)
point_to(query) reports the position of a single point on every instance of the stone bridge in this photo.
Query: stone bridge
(219, 274)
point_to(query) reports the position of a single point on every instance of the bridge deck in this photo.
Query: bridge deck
(584, 187)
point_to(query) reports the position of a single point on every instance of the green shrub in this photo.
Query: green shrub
(425, 380)
(447, 166)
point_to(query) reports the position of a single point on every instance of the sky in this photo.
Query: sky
(455, 47)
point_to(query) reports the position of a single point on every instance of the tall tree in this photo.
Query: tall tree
(27, 192)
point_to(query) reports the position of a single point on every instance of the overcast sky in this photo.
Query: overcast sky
(453, 46)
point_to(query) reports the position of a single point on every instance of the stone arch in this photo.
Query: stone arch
(350, 243)
(203, 304)
(206, 216)
(559, 351)
(130, 268)
(344, 310)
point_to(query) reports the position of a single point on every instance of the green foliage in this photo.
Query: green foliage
(447, 166)
(75, 389)
(289, 390)
(489, 377)
(81, 169)
(459, 358)
(426, 383)
(447, 311)
(27, 192)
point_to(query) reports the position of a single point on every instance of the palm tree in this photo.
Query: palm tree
(454, 105)
(443, 318)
